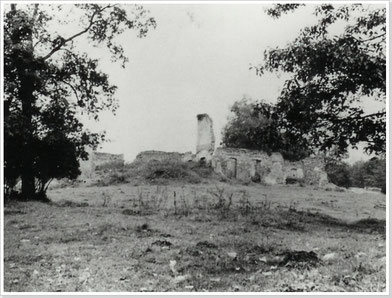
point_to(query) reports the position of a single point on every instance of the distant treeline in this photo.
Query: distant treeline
(371, 173)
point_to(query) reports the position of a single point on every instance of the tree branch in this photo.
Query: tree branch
(363, 117)
(370, 39)
(64, 41)
(47, 185)
(73, 89)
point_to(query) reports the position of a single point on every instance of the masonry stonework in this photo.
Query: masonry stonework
(258, 166)
(99, 160)
(161, 156)
(205, 138)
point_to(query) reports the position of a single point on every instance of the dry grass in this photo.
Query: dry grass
(223, 237)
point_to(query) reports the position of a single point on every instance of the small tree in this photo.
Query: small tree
(371, 173)
(357, 174)
(255, 125)
(375, 173)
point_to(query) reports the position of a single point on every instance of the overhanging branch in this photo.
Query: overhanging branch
(66, 40)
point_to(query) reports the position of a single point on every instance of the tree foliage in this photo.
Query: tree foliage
(254, 125)
(371, 173)
(338, 173)
(332, 74)
(49, 82)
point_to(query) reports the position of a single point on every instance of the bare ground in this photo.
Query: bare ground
(205, 237)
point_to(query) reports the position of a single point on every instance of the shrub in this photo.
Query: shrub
(371, 173)
(339, 173)
(162, 171)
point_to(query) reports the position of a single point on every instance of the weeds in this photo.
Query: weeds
(106, 199)
(223, 203)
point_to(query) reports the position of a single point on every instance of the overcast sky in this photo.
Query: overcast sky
(196, 61)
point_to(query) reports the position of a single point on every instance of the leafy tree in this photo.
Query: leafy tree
(375, 173)
(255, 125)
(357, 174)
(49, 82)
(338, 173)
(331, 74)
(371, 173)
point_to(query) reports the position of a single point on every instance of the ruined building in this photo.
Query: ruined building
(205, 146)
(253, 165)
(241, 164)
(244, 164)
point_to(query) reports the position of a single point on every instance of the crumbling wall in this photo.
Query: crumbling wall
(102, 159)
(314, 171)
(97, 160)
(87, 167)
(205, 138)
(246, 165)
(294, 171)
(153, 155)
(258, 166)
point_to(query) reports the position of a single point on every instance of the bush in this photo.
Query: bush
(371, 173)
(339, 173)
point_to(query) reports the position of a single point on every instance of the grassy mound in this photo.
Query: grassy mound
(168, 170)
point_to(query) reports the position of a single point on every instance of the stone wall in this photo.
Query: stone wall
(249, 165)
(97, 160)
(102, 159)
(205, 138)
(314, 171)
(258, 166)
(87, 167)
(150, 155)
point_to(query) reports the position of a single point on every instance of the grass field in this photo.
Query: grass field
(196, 237)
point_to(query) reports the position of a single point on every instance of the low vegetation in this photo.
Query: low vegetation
(196, 237)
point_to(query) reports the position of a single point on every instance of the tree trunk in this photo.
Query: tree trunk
(26, 73)
(26, 93)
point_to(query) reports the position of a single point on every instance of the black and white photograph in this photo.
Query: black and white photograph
(192, 147)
